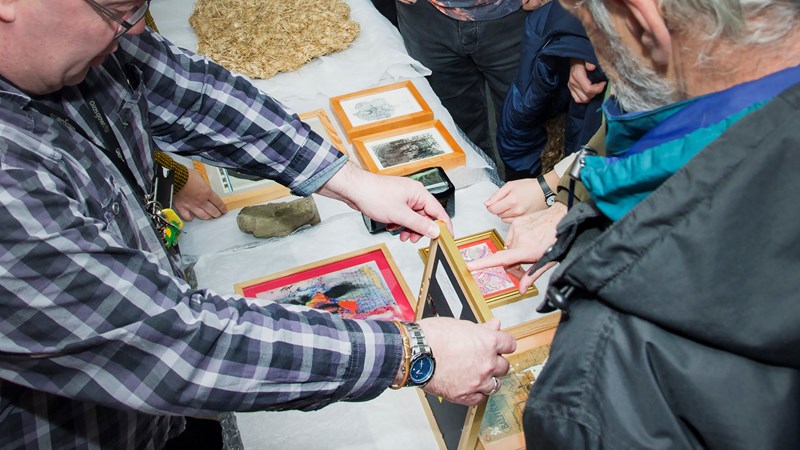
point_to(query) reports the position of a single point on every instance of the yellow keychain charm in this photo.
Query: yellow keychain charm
(174, 225)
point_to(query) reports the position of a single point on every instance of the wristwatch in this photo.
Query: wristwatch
(549, 195)
(422, 363)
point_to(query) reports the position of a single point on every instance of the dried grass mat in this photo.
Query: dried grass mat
(260, 38)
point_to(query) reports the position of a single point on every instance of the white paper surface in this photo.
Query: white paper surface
(224, 255)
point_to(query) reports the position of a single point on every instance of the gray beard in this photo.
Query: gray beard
(639, 88)
(636, 86)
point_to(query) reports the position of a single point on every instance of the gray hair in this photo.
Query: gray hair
(743, 22)
(746, 22)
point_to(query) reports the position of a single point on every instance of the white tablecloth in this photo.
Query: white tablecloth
(224, 255)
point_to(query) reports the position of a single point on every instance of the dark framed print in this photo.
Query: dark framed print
(449, 290)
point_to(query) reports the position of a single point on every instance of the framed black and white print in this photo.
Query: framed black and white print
(380, 109)
(409, 149)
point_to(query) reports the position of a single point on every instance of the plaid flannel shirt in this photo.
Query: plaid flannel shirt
(103, 346)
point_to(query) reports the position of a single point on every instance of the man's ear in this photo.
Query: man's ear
(8, 10)
(646, 23)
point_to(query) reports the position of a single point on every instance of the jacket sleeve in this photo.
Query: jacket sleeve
(521, 135)
(580, 193)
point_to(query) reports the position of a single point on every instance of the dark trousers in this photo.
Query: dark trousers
(387, 8)
(464, 57)
(200, 434)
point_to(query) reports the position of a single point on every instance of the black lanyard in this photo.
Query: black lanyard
(111, 147)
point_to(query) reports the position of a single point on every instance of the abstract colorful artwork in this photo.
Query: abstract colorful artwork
(360, 285)
(498, 285)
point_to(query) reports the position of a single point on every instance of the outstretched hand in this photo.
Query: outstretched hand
(395, 201)
(467, 356)
(197, 199)
(519, 197)
(527, 240)
(516, 198)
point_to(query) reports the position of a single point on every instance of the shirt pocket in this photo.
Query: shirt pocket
(119, 214)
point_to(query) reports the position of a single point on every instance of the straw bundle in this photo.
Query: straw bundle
(260, 38)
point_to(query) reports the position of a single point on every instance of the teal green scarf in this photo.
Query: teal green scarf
(644, 149)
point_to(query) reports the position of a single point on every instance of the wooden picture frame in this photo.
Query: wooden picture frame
(405, 150)
(319, 121)
(448, 289)
(380, 109)
(364, 284)
(499, 420)
(498, 286)
(238, 190)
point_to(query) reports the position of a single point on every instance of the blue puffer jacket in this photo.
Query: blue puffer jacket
(539, 93)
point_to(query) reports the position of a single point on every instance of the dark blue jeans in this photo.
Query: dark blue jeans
(464, 57)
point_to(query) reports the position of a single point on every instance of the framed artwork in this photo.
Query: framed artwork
(498, 286)
(500, 419)
(365, 284)
(319, 122)
(449, 290)
(379, 109)
(409, 149)
(238, 190)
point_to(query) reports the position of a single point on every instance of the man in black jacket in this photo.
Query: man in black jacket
(679, 276)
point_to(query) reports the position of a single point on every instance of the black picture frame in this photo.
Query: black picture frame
(448, 290)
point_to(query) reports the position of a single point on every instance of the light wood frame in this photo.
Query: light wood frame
(253, 192)
(494, 243)
(303, 280)
(414, 109)
(392, 142)
(531, 336)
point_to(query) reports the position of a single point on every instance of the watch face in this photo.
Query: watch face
(550, 200)
(421, 370)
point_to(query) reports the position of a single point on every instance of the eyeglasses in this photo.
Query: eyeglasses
(126, 20)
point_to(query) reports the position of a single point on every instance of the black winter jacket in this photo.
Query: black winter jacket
(684, 327)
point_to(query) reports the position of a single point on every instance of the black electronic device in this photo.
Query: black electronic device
(437, 183)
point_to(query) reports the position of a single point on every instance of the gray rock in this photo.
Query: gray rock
(278, 219)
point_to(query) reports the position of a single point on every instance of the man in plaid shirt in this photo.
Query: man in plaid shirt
(103, 344)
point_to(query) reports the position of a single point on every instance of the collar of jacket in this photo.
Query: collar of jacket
(710, 255)
(646, 148)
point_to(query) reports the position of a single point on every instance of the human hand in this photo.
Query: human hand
(519, 197)
(581, 88)
(395, 201)
(197, 199)
(530, 5)
(516, 198)
(527, 240)
(408, 2)
(467, 356)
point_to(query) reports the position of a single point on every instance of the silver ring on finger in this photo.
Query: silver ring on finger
(495, 388)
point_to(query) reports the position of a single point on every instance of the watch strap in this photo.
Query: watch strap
(549, 195)
(419, 350)
(419, 344)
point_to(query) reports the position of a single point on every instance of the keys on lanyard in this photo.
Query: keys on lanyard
(167, 222)
(173, 226)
